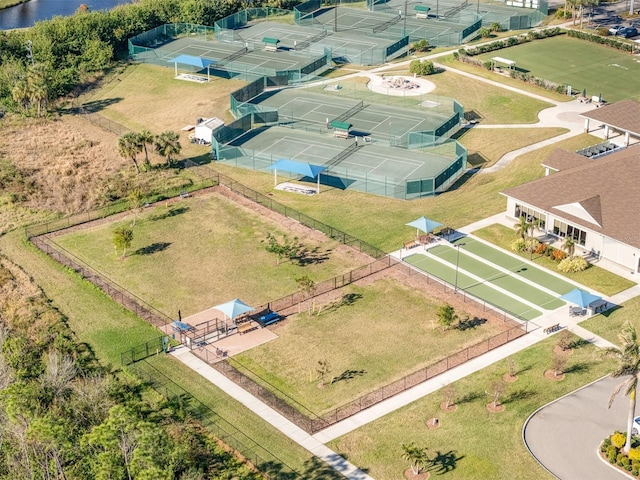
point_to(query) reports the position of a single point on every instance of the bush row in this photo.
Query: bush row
(567, 265)
(512, 41)
(609, 42)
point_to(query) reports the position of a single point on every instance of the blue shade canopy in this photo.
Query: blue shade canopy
(191, 60)
(425, 224)
(297, 167)
(234, 308)
(580, 297)
(181, 326)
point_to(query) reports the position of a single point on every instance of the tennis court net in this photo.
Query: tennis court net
(351, 112)
(235, 55)
(383, 26)
(304, 44)
(342, 155)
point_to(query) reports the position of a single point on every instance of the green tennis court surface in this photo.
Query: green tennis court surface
(496, 277)
(471, 286)
(517, 266)
(583, 65)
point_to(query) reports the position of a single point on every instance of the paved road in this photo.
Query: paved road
(564, 436)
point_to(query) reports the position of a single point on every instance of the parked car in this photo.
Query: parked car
(628, 32)
(615, 29)
(635, 429)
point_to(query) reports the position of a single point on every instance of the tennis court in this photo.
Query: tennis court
(363, 161)
(380, 122)
(292, 37)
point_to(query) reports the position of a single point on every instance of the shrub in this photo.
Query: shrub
(558, 255)
(541, 249)
(484, 32)
(518, 245)
(422, 68)
(561, 13)
(612, 452)
(421, 45)
(618, 439)
(634, 454)
(603, 31)
(567, 265)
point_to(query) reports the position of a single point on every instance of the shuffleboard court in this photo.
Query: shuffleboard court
(471, 285)
(584, 65)
(506, 281)
(516, 265)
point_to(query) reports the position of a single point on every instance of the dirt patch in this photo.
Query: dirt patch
(551, 375)
(509, 378)
(451, 408)
(432, 423)
(409, 475)
(495, 408)
(559, 351)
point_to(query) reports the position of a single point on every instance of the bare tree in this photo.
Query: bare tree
(558, 364)
(495, 392)
(449, 395)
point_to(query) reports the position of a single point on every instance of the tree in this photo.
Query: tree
(628, 357)
(136, 201)
(421, 45)
(495, 27)
(449, 395)
(416, 456)
(145, 138)
(495, 392)
(285, 248)
(484, 32)
(558, 364)
(308, 288)
(569, 246)
(522, 227)
(424, 67)
(122, 239)
(565, 340)
(322, 369)
(168, 144)
(129, 147)
(446, 316)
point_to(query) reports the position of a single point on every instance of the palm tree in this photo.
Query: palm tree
(416, 456)
(522, 227)
(168, 144)
(569, 246)
(129, 147)
(145, 138)
(628, 358)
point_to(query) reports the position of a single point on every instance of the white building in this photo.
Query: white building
(596, 202)
(205, 128)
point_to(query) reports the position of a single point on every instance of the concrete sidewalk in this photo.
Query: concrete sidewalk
(269, 415)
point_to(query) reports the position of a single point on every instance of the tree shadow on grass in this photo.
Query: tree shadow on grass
(444, 462)
(348, 375)
(346, 300)
(172, 212)
(470, 323)
(153, 248)
(98, 105)
(579, 367)
(581, 342)
(469, 397)
(312, 256)
(521, 394)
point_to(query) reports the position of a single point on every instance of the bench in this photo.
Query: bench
(270, 48)
(411, 244)
(245, 327)
(552, 328)
(269, 319)
(341, 134)
(184, 194)
(422, 15)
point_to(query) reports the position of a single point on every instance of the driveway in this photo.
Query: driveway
(564, 436)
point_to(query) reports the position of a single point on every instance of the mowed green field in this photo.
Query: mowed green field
(377, 334)
(583, 65)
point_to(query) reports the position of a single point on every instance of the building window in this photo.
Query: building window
(532, 216)
(562, 229)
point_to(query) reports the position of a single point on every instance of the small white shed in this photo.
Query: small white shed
(205, 127)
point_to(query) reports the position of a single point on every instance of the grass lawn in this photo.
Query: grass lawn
(581, 64)
(609, 324)
(471, 199)
(593, 277)
(366, 340)
(476, 443)
(110, 329)
(201, 252)
(487, 146)
(493, 104)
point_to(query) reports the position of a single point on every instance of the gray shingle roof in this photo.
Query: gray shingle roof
(623, 115)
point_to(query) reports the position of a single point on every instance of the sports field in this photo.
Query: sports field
(367, 161)
(379, 121)
(494, 276)
(583, 65)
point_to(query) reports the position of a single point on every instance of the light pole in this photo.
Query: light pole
(455, 287)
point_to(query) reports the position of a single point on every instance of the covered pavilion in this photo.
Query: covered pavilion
(623, 116)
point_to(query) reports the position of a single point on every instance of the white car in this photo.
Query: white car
(635, 429)
(615, 29)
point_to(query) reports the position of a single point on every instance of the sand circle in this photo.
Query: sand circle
(399, 85)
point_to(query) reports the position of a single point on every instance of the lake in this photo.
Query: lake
(26, 14)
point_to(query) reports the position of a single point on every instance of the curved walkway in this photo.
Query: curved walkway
(564, 435)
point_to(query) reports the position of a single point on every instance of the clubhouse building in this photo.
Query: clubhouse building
(594, 201)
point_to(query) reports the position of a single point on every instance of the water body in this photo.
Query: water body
(26, 14)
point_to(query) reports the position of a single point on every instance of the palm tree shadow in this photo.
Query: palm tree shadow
(444, 462)
(151, 249)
